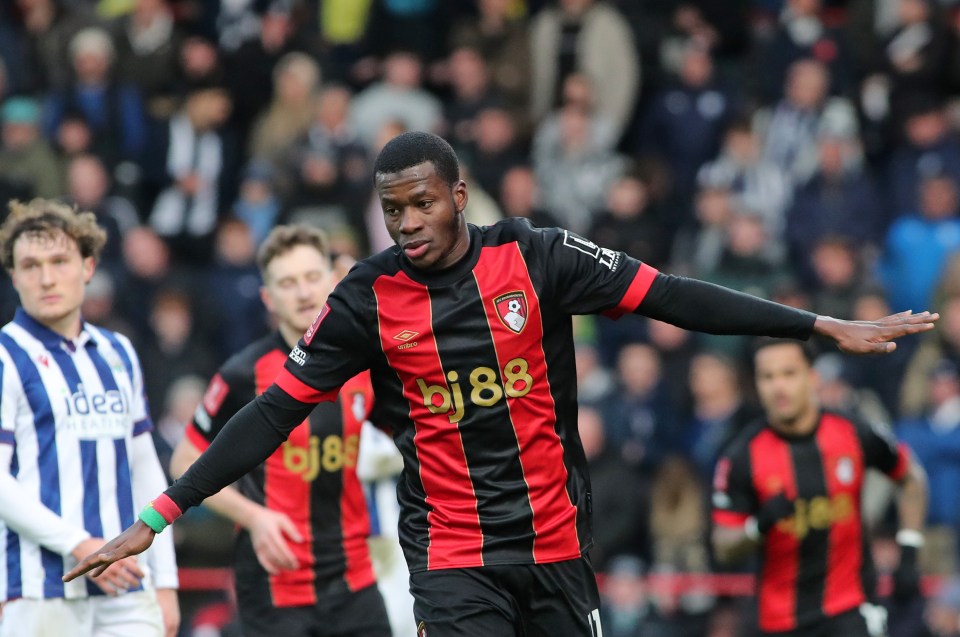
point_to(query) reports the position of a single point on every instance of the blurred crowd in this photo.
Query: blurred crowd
(806, 151)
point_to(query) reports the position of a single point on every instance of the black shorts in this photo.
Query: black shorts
(519, 600)
(359, 614)
(849, 624)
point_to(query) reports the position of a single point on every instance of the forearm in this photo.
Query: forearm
(248, 439)
(705, 307)
(228, 502)
(24, 513)
(912, 498)
(149, 480)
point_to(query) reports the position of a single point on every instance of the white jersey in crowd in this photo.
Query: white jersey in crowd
(74, 458)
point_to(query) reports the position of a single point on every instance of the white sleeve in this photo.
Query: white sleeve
(20, 509)
(379, 457)
(148, 483)
(24, 513)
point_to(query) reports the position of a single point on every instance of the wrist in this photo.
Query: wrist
(160, 513)
(910, 538)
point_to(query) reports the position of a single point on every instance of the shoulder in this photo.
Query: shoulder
(508, 230)
(739, 448)
(243, 363)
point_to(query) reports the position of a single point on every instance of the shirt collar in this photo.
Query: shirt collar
(49, 338)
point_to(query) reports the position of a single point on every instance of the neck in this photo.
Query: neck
(290, 335)
(67, 326)
(804, 423)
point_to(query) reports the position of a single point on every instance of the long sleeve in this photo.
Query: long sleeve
(705, 307)
(248, 439)
(148, 480)
(24, 513)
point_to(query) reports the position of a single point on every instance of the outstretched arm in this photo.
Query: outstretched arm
(705, 307)
(249, 438)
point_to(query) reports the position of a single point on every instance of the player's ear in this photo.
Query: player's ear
(460, 196)
(89, 265)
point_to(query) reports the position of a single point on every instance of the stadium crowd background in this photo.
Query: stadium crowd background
(802, 150)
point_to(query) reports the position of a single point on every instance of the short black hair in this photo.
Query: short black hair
(764, 342)
(414, 147)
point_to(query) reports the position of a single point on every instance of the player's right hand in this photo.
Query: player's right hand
(119, 577)
(270, 532)
(773, 510)
(135, 540)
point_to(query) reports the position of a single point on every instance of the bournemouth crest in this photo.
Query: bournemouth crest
(512, 310)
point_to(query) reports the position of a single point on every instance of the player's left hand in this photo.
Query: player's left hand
(906, 579)
(874, 337)
(135, 540)
(170, 609)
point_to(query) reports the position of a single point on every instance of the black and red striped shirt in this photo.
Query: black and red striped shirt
(473, 370)
(311, 478)
(812, 563)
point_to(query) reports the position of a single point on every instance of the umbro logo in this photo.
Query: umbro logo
(407, 337)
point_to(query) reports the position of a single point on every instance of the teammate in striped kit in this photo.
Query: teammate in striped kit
(302, 563)
(76, 456)
(790, 486)
(467, 333)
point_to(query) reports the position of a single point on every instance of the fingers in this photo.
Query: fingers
(274, 555)
(290, 530)
(85, 565)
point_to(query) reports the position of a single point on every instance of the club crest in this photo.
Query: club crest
(512, 310)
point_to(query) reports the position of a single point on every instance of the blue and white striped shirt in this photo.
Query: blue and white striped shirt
(69, 409)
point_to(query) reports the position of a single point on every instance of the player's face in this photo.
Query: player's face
(786, 385)
(296, 287)
(49, 274)
(424, 215)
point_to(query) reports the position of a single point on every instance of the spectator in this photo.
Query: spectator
(257, 205)
(628, 223)
(792, 127)
(589, 37)
(619, 498)
(686, 120)
(148, 44)
(471, 91)
(802, 33)
(173, 348)
(699, 246)
(296, 79)
(929, 149)
(89, 188)
(193, 167)
(113, 109)
(943, 610)
(840, 199)
(917, 246)
(249, 69)
(575, 166)
(756, 182)
(942, 345)
(46, 28)
(328, 167)
(639, 418)
(501, 39)
(520, 197)
(233, 283)
(720, 410)
(495, 148)
(147, 270)
(594, 383)
(837, 276)
(399, 96)
(28, 166)
(678, 522)
(914, 59)
(935, 439)
(418, 27)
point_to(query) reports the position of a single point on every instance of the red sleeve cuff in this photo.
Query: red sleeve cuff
(195, 437)
(166, 507)
(301, 391)
(635, 293)
(899, 471)
(730, 519)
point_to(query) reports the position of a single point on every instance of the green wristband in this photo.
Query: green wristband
(152, 518)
